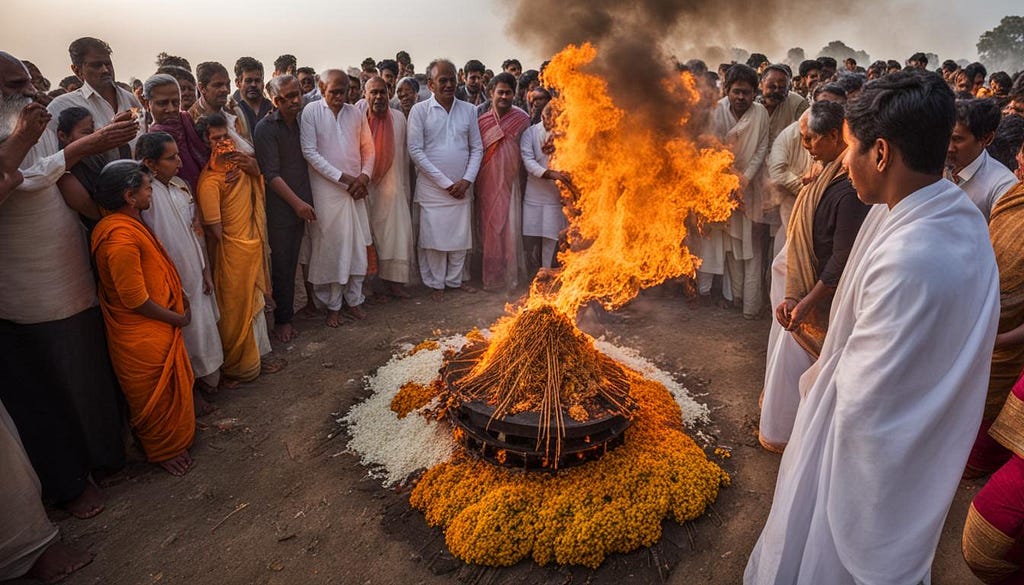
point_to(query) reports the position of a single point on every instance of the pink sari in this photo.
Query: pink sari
(495, 198)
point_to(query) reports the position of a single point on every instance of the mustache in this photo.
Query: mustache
(10, 109)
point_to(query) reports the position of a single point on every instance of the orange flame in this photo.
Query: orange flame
(636, 188)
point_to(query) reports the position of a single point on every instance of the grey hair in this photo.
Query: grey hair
(274, 85)
(411, 81)
(435, 63)
(826, 116)
(158, 80)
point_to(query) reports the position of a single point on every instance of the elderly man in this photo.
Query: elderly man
(826, 218)
(498, 190)
(307, 82)
(248, 96)
(734, 248)
(890, 409)
(58, 384)
(783, 105)
(983, 178)
(445, 145)
(388, 199)
(289, 200)
(214, 88)
(338, 145)
(90, 61)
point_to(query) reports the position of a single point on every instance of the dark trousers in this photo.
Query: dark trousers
(285, 241)
(60, 390)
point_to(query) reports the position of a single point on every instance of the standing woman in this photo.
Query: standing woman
(145, 310)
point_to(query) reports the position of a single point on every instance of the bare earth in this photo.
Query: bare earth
(275, 497)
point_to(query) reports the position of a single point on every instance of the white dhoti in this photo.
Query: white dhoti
(338, 239)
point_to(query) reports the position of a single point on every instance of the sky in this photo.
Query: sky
(332, 33)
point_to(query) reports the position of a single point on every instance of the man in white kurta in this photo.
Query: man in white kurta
(390, 219)
(445, 146)
(542, 203)
(890, 410)
(337, 144)
(788, 167)
(172, 217)
(731, 249)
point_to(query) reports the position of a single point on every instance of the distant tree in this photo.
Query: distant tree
(795, 56)
(839, 51)
(1002, 48)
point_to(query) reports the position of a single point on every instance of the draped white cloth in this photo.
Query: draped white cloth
(445, 146)
(390, 216)
(747, 139)
(333, 145)
(170, 216)
(890, 410)
(785, 363)
(542, 203)
(788, 162)
(44, 256)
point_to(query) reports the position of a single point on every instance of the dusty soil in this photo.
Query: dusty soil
(275, 497)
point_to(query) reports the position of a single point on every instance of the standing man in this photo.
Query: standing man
(513, 67)
(784, 106)
(891, 407)
(473, 90)
(388, 71)
(445, 145)
(969, 165)
(285, 65)
(810, 74)
(90, 61)
(390, 219)
(337, 144)
(214, 88)
(499, 196)
(289, 197)
(249, 95)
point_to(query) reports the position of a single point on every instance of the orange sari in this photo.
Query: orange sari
(149, 356)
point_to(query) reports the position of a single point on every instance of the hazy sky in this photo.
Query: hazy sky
(325, 33)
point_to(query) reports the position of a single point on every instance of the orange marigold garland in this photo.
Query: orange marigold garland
(412, 396)
(497, 516)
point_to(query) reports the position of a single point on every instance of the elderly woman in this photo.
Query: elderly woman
(406, 94)
(145, 309)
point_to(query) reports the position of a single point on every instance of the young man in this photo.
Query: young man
(983, 178)
(891, 407)
(249, 93)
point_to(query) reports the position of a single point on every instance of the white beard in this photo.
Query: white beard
(10, 109)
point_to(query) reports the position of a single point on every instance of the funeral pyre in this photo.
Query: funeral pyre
(544, 446)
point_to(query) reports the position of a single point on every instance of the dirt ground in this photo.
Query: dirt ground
(276, 499)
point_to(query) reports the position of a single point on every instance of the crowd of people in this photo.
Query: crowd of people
(148, 230)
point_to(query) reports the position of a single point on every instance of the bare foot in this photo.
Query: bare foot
(285, 332)
(202, 407)
(398, 291)
(57, 562)
(333, 318)
(228, 384)
(469, 289)
(308, 312)
(356, 312)
(437, 295)
(272, 365)
(178, 465)
(88, 504)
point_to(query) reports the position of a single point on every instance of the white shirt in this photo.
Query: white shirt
(44, 255)
(539, 191)
(985, 180)
(90, 99)
(445, 146)
(788, 162)
(333, 145)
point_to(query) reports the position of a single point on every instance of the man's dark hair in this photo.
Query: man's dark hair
(178, 73)
(914, 110)
(503, 77)
(80, 47)
(529, 76)
(204, 123)
(893, 64)
(207, 69)
(1009, 137)
(828, 63)
(73, 80)
(164, 60)
(740, 72)
(70, 117)
(825, 117)
(832, 88)
(973, 70)
(474, 65)
(981, 116)
(756, 59)
(877, 68)
(808, 66)
(1002, 78)
(779, 68)
(369, 64)
(920, 58)
(115, 178)
(509, 62)
(389, 65)
(403, 57)
(949, 66)
(285, 61)
(247, 64)
(306, 70)
(850, 82)
(152, 145)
